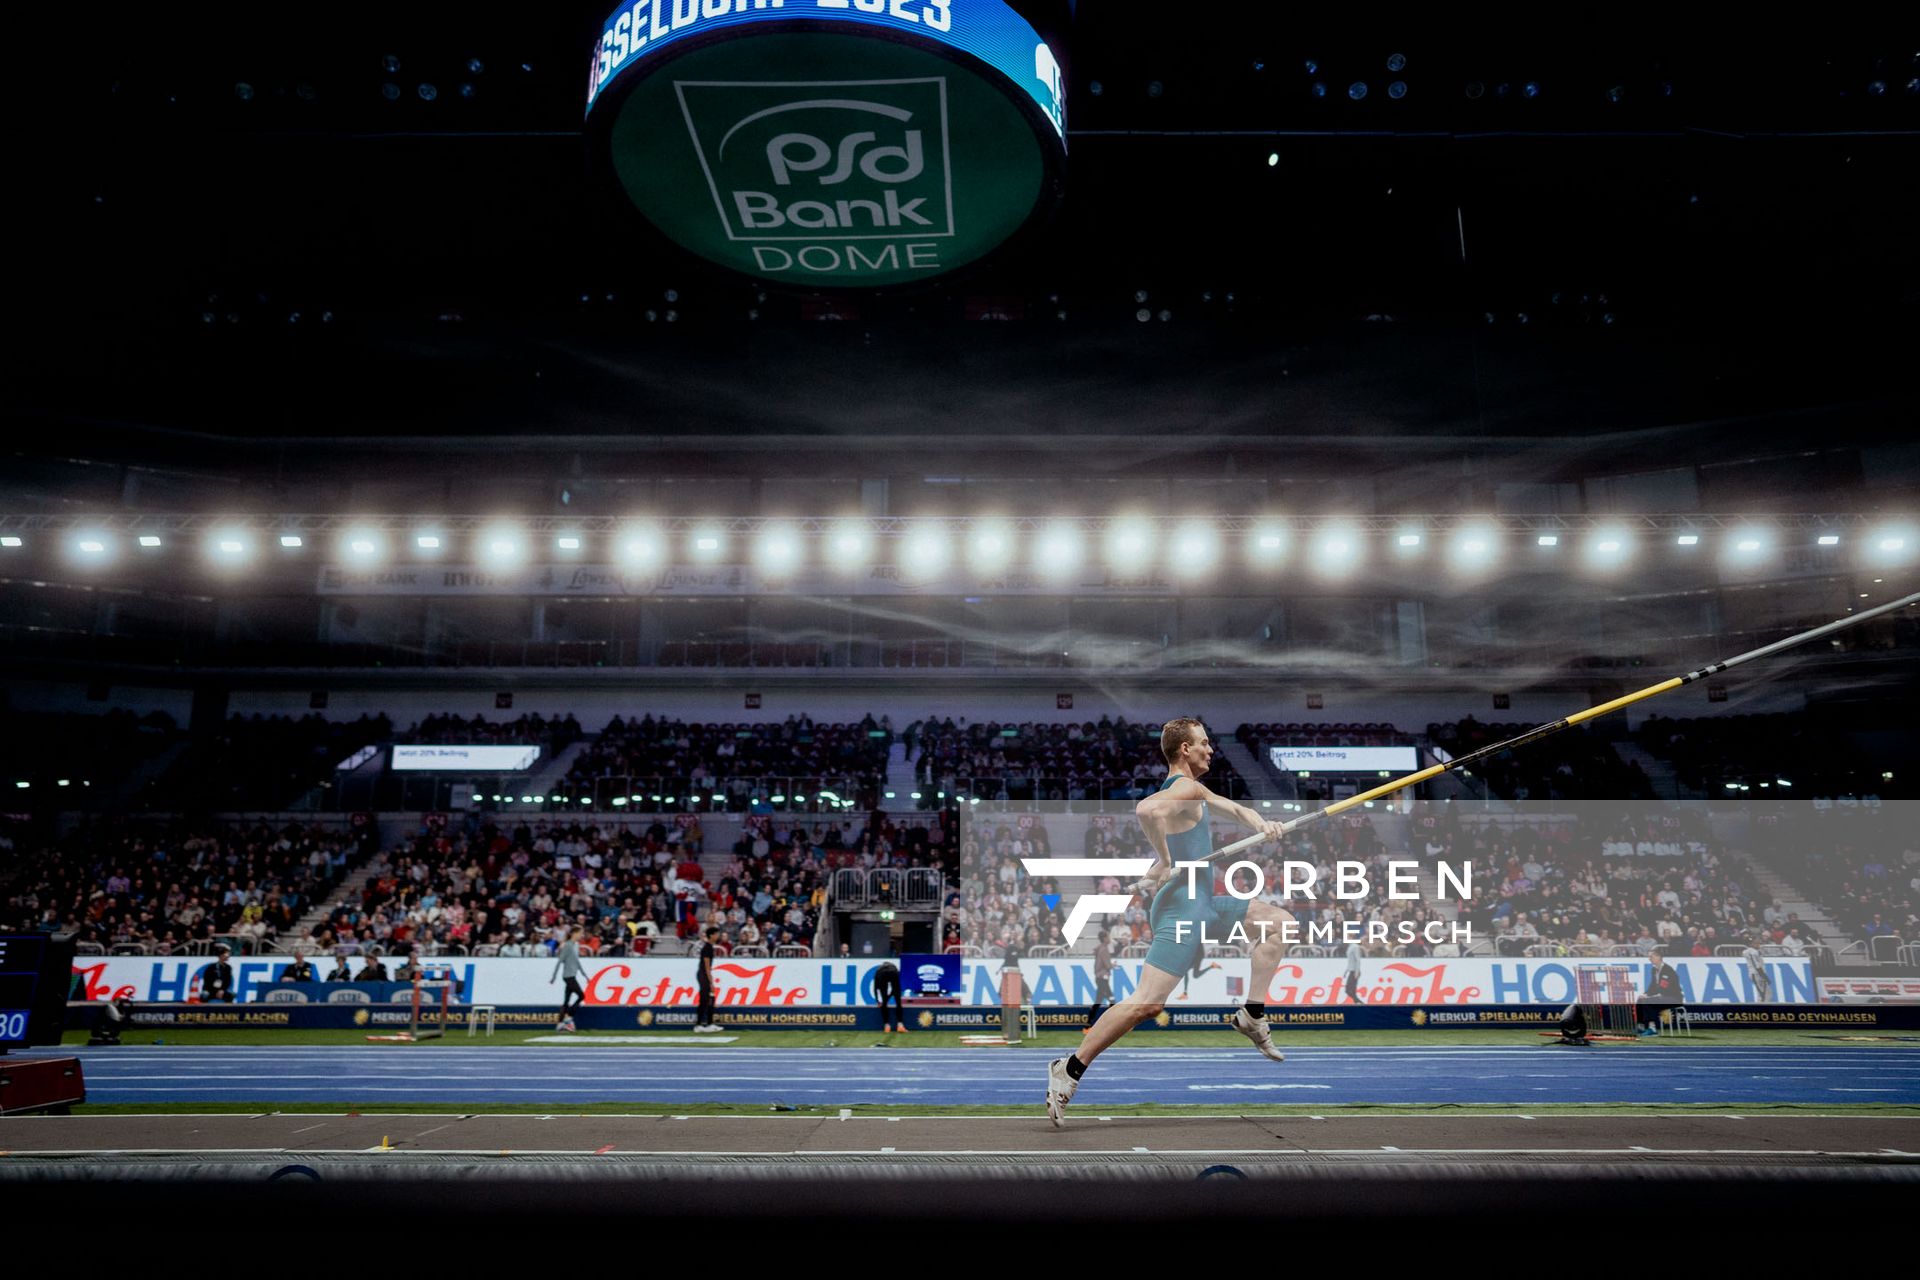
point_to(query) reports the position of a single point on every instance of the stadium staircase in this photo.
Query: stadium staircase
(900, 781)
(1793, 901)
(553, 772)
(1262, 784)
(1661, 773)
(348, 890)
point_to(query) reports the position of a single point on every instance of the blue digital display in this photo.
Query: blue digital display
(986, 30)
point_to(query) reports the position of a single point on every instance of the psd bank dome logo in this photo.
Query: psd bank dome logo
(829, 143)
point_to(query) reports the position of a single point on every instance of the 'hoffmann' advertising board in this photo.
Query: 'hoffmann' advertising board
(849, 983)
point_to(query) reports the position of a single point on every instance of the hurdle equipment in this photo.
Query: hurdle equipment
(432, 1003)
(1605, 993)
(1567, 722)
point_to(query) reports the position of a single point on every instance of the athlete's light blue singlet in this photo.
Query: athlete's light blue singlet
(1172, 903)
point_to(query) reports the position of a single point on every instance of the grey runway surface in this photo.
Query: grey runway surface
(616, 1145)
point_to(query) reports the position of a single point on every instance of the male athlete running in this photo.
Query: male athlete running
(1175, 819)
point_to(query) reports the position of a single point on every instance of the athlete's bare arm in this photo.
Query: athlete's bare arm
(1162, 813)
(1249, 818)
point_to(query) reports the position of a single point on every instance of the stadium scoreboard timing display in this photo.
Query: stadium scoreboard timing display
(836, 143)
(36, 971)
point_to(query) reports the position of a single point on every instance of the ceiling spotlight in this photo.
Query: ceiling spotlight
(850, 543)
(925, 550)
(1267, 545)
(92, 546)
(1195, 547)
(1609, 548)
(1273, 158)
(640, 547)
(426, 541)
(149, 540)
(1336, 549)
(1688, 540)
(1397, 90)
(9, 541)
(777, 549)
(567, 542)
(230, 546)
(990, 545)
(1547, 540)
(1129, 544)
(1828, 539)
(502, 546)
(1357, 90)
(1058, 550)
(1475, 548)
(292, 540)
(1892, 545)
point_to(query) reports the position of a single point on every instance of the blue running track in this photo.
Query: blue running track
(1218, 1078)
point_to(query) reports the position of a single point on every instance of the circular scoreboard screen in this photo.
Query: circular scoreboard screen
(830, 143)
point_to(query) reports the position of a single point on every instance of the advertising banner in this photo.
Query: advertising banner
(513, 759)
(1344, 759)
(848, 984)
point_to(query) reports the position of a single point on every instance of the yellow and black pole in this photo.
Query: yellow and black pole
(1578, 717)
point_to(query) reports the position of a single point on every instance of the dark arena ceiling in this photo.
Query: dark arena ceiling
(234, 247)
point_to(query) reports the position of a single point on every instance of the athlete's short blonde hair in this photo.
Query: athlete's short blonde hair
(1175, 734)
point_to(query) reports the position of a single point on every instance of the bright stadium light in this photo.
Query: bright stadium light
(1058, 550)
(1336, 549)
(990, 545)
(229, 547)
(640, 546)
(1828, 540)
(1474, 548)
(502, 545)
(92, 548)
(292, 541)
(1407, 543)
(1547, 540)
(849, 544)
(925, 551)
(9, 541)
(1129, 545)
(777, 549)
(428, 542)
(1892, 545)
(363, 546)
(1609, 547)
(708, 544)
(1747, 546)
(567, 544)
(149, 539)
(1194, 549)
(1267, 545)
(1687, 540)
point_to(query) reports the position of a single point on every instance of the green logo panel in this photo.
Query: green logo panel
(828, 160)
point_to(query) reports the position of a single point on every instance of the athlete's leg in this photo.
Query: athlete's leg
(1273, 922)
(1147, 1000)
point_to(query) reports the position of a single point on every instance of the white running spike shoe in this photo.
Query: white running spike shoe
(1258, 1031)
(1060, 1087)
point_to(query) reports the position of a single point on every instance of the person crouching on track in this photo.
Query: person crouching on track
(1176, 821)
(886, 990)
